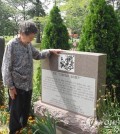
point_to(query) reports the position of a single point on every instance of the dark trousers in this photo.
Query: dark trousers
(19, 110)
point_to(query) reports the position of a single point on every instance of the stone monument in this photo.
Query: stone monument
(70, 88)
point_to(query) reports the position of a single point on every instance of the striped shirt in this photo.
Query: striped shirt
(17, 65)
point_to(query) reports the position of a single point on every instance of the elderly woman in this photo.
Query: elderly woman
(17, 72)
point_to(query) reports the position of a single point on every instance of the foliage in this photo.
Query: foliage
(108, 111)
(118, 15)
(75, 12)
(45, 125)
(36, 9)
(36, 125)
(101, 33)
(14, 11)
(5, 24)
(114, 3)
(2, 94)
(37, 80)
(21, 6)
(36, 87)
(4, 116)
(4, 130)
(55, 34)
(42, 20)
(116, 6)
(4, 119)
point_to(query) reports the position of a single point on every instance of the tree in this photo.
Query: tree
(37, 11)
(27, 9)
(55, 34)
(6, 24)
(100, 33)
(22, 6)
(13, 11)
(114, 3)
(116, 6)
(74, 11)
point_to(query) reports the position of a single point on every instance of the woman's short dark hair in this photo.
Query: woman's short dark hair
(27, 27)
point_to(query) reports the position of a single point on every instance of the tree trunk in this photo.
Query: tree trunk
(38, 40)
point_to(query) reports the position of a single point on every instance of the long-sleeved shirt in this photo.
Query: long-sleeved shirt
(17, 65)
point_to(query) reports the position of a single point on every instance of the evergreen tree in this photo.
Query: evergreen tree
(55, 34)
(101, 33)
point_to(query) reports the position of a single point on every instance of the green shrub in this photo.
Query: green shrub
(101, 33)
(55, 34)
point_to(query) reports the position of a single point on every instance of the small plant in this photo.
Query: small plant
(44, 125)
(4, 119)
(4, 130)
(2, 94)
(108, 112)
(4, 116)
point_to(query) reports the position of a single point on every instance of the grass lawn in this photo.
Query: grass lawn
(36, 64)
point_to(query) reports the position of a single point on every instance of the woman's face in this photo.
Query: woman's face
(26, 39)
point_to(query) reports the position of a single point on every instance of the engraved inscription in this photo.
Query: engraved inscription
(71, 92)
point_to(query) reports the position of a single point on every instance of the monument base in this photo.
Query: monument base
(60, 130)
(68, 122)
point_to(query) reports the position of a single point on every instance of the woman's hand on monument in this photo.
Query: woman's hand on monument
(55, 51)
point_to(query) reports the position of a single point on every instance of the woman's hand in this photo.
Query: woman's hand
(55, 51)
(12, 93)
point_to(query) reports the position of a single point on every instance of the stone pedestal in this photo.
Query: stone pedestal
(60, 130)
(69, 123)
